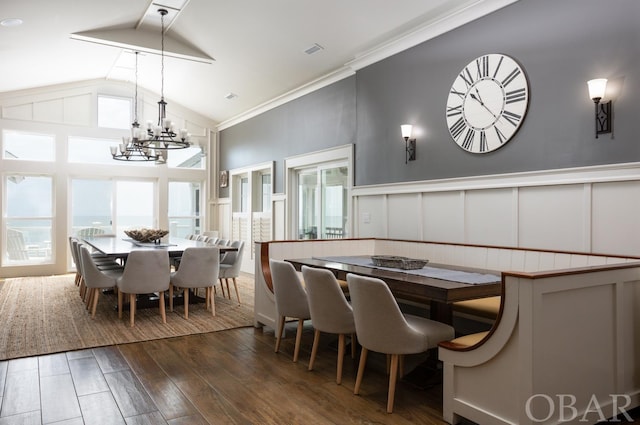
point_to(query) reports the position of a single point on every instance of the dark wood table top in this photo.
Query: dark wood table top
(411, 286)
(118, 247)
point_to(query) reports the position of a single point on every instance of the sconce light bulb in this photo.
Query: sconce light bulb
(406, 131)
(597, 88)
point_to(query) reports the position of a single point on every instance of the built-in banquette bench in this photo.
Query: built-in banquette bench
(566, 340)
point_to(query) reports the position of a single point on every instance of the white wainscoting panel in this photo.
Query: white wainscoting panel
(371, 217)
(552, 216)
(404, 216)
(615, 216)
(488, 217)
(588, 210)
(442, 216)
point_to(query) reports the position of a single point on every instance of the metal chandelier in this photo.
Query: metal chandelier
(152, 144)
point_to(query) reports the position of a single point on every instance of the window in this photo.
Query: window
(319, 184)
(244, 194)
(91, 206)
(29, 219)
(135, 205)
(184, 209)
(322, 202)
(115, 112)
(101, 206)
(28, 146)
(84, 150)
(191, 157)
(265, 180)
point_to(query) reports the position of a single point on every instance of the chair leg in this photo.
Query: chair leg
(235, 284)
(120, 293)
(280, 331)
(89, 298)
(132, 309)
(94, 304)
(296, 351)
(392, 382)
(363, 361)
(353, 346)
(314, 349)
(211, 301)
(341, 345)
(186, 302)
(226, 280)
(163, 313)
(221, 286)
(171, 297)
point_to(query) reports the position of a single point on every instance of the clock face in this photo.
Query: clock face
(487, 103)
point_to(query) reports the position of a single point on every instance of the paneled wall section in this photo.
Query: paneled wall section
(591, 210)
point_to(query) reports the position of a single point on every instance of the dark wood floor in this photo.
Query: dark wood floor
(229, 377)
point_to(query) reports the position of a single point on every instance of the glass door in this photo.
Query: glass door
(111, 206)
(135, 205)
(333, 187)
(91, 202)
(322, 202)
(308, 199)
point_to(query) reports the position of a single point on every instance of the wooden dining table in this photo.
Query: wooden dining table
(438, 293)
(120, 247)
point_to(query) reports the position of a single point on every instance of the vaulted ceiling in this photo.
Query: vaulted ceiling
(225, 59)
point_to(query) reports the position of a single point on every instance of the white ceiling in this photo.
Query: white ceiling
(257, 45)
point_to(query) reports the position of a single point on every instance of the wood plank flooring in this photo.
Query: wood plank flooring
(229, 377)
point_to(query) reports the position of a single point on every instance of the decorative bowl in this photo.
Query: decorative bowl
(146, 235)
(397, 262)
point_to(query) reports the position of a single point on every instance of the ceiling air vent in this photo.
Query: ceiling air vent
(313, 49)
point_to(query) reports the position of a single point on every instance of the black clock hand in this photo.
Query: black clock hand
(473, 96)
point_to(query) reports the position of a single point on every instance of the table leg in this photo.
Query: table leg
(441, 312)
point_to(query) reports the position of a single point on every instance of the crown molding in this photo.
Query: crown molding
(431, 28)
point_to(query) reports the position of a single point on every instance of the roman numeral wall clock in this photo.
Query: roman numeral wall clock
(487, 103)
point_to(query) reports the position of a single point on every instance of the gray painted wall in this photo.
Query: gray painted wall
(323, 119)
(560, 43)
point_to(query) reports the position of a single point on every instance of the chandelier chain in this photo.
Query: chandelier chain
(162, 13)
(135, 98)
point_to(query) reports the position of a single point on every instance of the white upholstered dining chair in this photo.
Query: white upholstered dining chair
(230, 268)
(291, 300)
(145, 272)
(199, 268)
(382, 327)
(95, 279)
(330, 313)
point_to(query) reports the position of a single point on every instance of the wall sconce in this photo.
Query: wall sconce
(604, 110)
(410, 144)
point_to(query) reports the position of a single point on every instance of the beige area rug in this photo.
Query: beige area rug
(43, 315)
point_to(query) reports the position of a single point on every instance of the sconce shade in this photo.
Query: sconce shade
(597, 88)
(406, 131)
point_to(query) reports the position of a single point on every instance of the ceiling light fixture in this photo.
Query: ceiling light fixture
(148, 146)
(131, 148)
